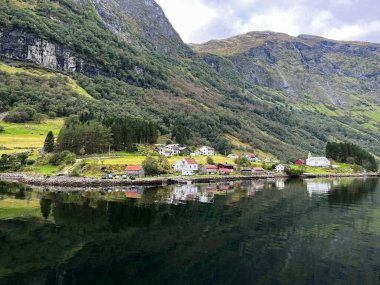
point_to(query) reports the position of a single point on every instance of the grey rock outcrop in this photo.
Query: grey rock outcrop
(19, 45)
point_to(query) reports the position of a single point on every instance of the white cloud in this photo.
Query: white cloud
(273, 20)
(187, 16)
(203, 20)
(322, 19)
(354, 31)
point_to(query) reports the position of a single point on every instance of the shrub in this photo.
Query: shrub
(62, 158)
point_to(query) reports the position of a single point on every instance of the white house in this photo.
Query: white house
(280, 168)
(317, 161)
(186, 166)
(206, 150)
(171, 150)
(234, 156)
(251, 157)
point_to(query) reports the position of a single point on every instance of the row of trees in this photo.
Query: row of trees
(352, 154)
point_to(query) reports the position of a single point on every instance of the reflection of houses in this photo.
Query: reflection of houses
(209, 169)
(135, 171)
(134, 192)
(187, 166)
(280, 184)
(317, 187)
(317, 161)
(183, 193)
(258, 184)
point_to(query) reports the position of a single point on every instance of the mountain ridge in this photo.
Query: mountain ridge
(140, 68)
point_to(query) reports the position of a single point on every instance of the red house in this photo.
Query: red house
(225, 165)
(299, 162)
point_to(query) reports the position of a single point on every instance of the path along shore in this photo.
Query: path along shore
(82, 182)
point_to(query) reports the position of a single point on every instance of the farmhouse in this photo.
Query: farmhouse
(225, 165)
(135, 171)
(209, 169)
(259, 170)
(206, 150)
(234, 156)
(171, 150)
(317, 161)
(225, 171)
(251, 156)
(246, 171)
(299, 162)
(280, 168)
(187, 166)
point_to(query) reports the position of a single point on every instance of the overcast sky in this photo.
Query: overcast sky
(202, 20)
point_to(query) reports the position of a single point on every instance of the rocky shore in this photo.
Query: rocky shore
(82, 182)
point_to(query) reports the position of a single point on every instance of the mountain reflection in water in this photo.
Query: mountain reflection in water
(251, 232)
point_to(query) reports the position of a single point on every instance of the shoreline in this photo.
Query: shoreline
(82, 182)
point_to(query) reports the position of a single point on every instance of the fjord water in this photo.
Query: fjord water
(259, 232)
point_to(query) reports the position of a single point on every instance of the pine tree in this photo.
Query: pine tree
(49, 142)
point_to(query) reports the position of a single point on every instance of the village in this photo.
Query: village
(246, 164)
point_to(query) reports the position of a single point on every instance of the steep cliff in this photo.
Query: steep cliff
(304, 67)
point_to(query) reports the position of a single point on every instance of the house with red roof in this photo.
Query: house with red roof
(135, 171)
(209, 169)
(258, 170)
(251, 157)
(299, 162)
(187, 166)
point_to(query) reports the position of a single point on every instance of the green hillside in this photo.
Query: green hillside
(94, 58)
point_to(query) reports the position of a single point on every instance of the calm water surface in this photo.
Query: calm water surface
(260, 232)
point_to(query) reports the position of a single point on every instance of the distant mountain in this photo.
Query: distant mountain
(283, 95)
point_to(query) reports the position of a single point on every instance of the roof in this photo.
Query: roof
(259, 169)
(250, 154)
(191, 161)
(225, 170)
(208, 166)
(227, 164)
(133, 168)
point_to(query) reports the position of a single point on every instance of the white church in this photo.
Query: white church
(317, 161)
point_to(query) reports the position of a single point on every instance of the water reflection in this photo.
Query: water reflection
(249, 232)
(318, 187)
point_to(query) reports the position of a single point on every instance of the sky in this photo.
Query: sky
(199, 21)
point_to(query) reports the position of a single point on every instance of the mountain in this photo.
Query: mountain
(282, 95)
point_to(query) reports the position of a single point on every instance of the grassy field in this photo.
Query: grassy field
(22, 137)
(131, 159)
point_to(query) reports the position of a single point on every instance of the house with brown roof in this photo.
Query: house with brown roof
(258, 170)
(187, 166)
(209, 169)
(135, 171)
(251, 156)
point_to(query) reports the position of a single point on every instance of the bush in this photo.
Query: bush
(62, 158)
(294, 172)
(151, 166)
(210, 160)
(1, 129)
(21, 114)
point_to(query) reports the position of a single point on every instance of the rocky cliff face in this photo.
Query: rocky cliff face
(330, 71)
(141, 22)
(19, 45)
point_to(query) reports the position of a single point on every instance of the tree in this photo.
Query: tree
(210, 160)
(151, 166)
(49, 142)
